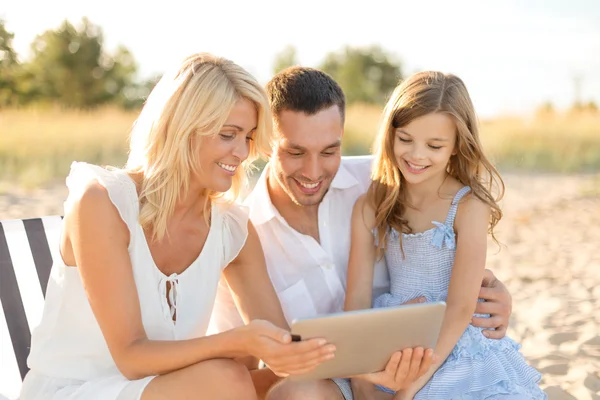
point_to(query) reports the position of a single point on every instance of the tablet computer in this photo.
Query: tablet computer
(366, 339)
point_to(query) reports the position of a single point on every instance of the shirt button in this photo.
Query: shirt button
(328, 265)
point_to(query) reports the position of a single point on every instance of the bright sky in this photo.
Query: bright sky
(513, 55)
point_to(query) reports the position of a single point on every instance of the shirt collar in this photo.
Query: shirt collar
(261, 208)
(259, 201)
(343, 179)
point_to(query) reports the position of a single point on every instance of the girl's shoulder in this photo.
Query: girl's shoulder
(471, 211)
(365, 211)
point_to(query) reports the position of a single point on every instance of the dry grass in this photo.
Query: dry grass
(555, 143)
(543, 143)
(38, 145)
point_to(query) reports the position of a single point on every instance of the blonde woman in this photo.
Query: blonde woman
(144, 247)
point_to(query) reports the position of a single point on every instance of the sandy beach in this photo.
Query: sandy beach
(549, 260)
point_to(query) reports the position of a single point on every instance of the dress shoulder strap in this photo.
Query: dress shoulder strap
(452, 212)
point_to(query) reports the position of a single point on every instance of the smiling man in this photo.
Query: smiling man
(301, 207)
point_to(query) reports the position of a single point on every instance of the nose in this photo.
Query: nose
(242, 147)
(418, 152)
(312, 168)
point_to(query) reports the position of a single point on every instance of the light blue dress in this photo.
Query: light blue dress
(478, 367)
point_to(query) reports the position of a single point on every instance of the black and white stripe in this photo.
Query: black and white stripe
(27, 248)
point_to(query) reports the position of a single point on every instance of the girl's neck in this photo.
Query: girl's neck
(419, 193)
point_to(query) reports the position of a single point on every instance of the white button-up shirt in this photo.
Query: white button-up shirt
(309, 277)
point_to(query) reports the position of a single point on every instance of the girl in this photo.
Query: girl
(428, 211)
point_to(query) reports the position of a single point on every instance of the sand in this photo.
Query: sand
(549, 260)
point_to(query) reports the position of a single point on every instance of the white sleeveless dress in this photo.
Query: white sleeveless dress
(69, 358)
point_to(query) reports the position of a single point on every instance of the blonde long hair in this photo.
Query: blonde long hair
(192, 101)
(424, 93)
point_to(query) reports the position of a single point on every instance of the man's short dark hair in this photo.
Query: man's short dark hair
(304, 89)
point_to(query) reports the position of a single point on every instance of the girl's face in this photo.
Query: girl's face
(423, 147)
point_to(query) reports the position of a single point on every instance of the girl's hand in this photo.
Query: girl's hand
(403, 369)
(274, 346)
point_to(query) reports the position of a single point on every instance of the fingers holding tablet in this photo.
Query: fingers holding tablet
(394, 342)
(286, 354)
(403, 369)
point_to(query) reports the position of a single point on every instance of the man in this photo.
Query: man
(301, 208)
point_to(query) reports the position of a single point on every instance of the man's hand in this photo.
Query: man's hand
(402, 370)
(498, 303)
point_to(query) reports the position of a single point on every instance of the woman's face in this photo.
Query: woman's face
(222, 154)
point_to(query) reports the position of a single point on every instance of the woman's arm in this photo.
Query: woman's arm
(250, 285)
(471, 225)
(99, 239)
(256, 299)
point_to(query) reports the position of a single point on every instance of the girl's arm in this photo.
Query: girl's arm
(97, 241)
(359, 285)
(405, 366)
(471, 224)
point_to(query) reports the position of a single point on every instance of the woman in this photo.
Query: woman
(143, 249)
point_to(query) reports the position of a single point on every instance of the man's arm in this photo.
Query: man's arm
(498, 303)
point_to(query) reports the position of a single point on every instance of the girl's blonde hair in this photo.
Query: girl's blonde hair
(193, 101)
(422, 94)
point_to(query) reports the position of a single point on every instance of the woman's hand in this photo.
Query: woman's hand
(275, 348)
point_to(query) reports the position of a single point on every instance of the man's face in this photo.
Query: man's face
(307, 154)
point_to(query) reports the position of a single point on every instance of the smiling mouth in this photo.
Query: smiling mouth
(227, 167)
(414, 168)
(308, 188)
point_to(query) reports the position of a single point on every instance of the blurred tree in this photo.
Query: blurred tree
(285, 58)
(591, 107)
(135, 95)
(9, 68)
(367, 75)
(71, 67)
(546, 110)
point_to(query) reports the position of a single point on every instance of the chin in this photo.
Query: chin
(221, 187)
(308, 200)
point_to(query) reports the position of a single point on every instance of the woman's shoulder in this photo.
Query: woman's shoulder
(93, 183)
(233, 223)
(83, 175)
(231, 213)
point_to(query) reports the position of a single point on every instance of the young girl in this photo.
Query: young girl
(428, 212)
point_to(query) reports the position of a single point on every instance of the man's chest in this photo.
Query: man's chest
(292, 255)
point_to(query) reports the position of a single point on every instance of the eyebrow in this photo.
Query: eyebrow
(398, 130)
(292, 145)
(237, 127)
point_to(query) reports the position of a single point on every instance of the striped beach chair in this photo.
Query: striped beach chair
(27, 248)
